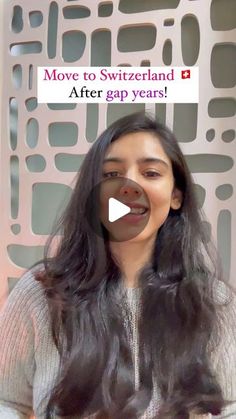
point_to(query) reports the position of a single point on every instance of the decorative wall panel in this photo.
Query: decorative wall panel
(42, 146)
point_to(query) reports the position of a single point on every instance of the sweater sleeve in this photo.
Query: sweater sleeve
(17, 347)
(224, 358)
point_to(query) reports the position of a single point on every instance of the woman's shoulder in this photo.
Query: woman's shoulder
(27, 297)
(224, 296)
(223, 293)
(223, 344)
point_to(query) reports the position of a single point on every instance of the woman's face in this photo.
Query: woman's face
(140, 157)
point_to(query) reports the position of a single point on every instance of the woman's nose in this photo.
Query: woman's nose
(131, 189)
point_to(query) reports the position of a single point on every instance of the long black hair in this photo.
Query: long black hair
(178, 314)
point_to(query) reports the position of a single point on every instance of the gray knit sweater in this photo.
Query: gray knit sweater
(29, 360)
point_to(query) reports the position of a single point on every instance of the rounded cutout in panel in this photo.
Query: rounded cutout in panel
(76, 12)
(200, 194)
(167, 52)
(145, 63)
(137, 6)
(136, 38)
(30, 76)
(24, 256)
(36, 163)
(16, 229)
(222, 107)
(22, 48)
(118, 110)
(62, 134)
(125, 65)
(17, 76)
(61, 106)
(224, 229)
(222, 75)
(91, 115)
(223, 15)
(101, 48)
(17, 20)
(35, 18)
(52, 30)
(228, 135)
(31, 104)
(169, 22)
(185, 121)
(68, 162)
(190, 39)
(224, 192)
(44, 209)
(73, 45)
(32, 132)
(11, 283)
(209, 163)
(105, 9)
(14, 182)
(13, 116)
(210, 135)
(160, 112)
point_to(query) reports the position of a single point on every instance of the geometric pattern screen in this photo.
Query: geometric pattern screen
(43, 145)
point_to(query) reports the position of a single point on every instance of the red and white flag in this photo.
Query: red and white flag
(185, 74)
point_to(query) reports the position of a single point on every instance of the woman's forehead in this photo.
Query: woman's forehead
(137, 145)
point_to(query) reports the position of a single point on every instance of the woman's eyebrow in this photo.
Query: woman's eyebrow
(141, 160)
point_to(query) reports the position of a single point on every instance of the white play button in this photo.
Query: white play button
(116, 209)
(112, 220)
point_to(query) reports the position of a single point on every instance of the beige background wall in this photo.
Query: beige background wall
(42, 146)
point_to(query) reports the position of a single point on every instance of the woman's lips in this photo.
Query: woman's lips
(135, 215)
(134, 204)
(134, 218)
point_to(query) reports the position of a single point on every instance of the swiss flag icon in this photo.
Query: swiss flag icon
(185, 74)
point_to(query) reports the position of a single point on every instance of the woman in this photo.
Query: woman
(115, 328)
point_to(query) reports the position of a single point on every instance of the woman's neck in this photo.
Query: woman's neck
(131, 258)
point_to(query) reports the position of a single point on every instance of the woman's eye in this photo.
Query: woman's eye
(111, 174)
(151, 173)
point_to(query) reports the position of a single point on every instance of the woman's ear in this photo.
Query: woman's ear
(176, 199)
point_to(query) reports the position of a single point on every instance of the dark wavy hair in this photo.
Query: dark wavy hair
(178, 314)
